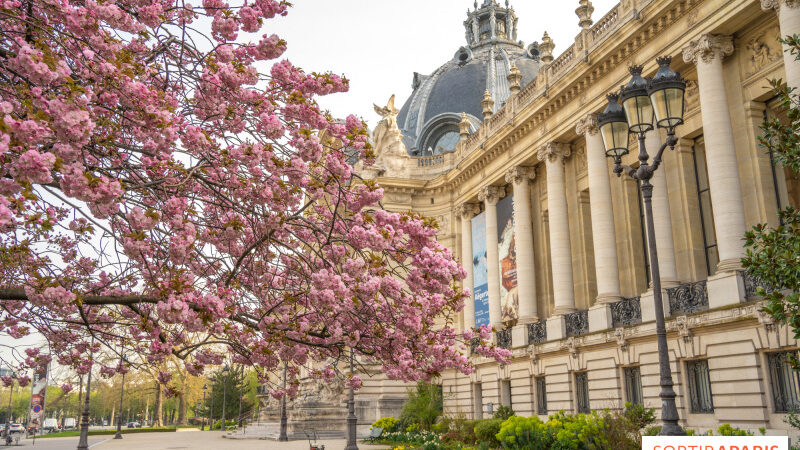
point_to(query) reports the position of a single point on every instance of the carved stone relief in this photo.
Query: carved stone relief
(762, 49)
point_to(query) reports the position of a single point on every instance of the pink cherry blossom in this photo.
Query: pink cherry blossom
(177, 192)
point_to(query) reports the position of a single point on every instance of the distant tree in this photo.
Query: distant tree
(228, 384)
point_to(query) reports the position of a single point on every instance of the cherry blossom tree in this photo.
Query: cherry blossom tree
(168, 189)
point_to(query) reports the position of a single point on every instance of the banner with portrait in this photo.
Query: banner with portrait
(480, 275)
(507, 255)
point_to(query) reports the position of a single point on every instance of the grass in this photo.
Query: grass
(107, 432)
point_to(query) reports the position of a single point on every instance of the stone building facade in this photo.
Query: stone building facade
(582, 329)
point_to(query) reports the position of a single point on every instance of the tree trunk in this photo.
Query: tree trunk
(157, 421)
(182, 408)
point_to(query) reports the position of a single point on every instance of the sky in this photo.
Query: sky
(379, 44)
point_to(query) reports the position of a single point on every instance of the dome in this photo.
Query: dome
(429, 118)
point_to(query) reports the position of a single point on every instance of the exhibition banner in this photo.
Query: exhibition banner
(480, 276)
(38, 397)
(509, 298)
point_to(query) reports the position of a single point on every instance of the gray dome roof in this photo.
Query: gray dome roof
(429, 118)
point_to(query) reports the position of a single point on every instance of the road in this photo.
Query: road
(185, 440)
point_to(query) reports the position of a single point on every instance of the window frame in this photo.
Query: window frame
(699, 405)
(540, 387)
(781, 405)
(633, 373)
(582, 401)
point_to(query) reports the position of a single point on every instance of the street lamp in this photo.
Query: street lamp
(283, 437)
(121, 394)
(352, 420)
(224, 392)
(203, 424)
(83, 441)
(7, 432)
(629, 112)
(211, 408)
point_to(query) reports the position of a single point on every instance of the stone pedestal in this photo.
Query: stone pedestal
(725, 288)
(649, 309)
(600, 317)
(556, 328)
(519, 336)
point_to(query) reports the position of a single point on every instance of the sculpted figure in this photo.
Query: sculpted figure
(391, 156)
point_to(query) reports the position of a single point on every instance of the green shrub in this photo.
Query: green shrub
(727, 430)
(528, 433)
(652, 431)
(503, 412)
(387, 423)
(423, 406)
(486, 431)
(639, 416)
(412, 428)
(441, 427)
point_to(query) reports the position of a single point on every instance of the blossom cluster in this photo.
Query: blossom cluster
(176, 201)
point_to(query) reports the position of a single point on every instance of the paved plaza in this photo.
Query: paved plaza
(178, 441)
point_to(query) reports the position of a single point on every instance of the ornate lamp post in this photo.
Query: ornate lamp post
(640, 99)
(6, 431)
(119, 419)
(352, 420)
(224, 392)
(283, 437)
(203, 424)
(241, 394)
(211, 409)
(83, 442)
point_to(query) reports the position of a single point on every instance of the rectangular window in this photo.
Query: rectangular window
(505, 393)
(541, 396)
(582, 392)
(477, 401)
(633, 385)
(706, 209)
(700, 401)
(784, 381)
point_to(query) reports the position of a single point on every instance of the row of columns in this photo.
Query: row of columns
(707, 53)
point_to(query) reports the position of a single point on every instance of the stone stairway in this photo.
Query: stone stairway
(271, 430)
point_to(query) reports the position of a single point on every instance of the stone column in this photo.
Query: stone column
(467, 211)
(789, 20)
(490, 195)
(662, 219)
(707, 53)
(520, 177)
(603, 237)
(726, 286)
(553, 155)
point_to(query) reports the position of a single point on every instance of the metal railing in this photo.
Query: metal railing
(577, 323)
(537, 332)
(627, 311)
(688, 298)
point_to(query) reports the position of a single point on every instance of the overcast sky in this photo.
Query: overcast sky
(379, 44)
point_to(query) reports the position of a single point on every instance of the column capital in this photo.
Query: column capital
(516, 175)
(467, 210)
(707, 47)
(767, 5)
(588, 125)
(553, 152)
(491, 194)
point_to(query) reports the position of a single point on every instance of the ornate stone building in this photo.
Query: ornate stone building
(501, 145)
